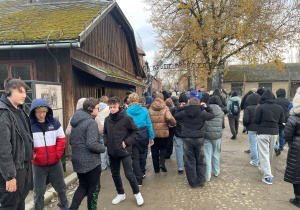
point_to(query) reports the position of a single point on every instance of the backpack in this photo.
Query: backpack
(235, 108)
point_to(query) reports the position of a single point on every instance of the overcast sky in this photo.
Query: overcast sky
(135, 12)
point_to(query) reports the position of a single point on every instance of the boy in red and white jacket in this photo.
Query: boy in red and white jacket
(49, 145)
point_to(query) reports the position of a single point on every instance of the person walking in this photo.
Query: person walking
(16, 148)
(193, 118)
(267, 116)
(291, 134)
(141, 118)
(251, 126)
(170, 141)
(86, 149)
(213, 139)
(49, 146)
(234, 109)
(120, 132)
(161, 117)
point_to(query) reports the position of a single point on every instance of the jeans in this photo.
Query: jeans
(179, 152)
(159, 151)
(281, 139)
(89, 185)
(265, 147)
(56, 176)
(115, 164)
(145, 158)
(234, 124)
(252, 135)
(103, 156)
(137, 155)
(16, 200)
(194, 164)
(170, 143)
(212, 157)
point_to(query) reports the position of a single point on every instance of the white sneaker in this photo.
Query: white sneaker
(118, 199)
(139, 199)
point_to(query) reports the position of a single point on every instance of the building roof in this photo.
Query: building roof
(262, 73)
(22, 22)
(141, 52)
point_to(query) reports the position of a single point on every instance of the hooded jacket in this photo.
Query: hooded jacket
(192, 120)
(49, 147)
(268, 115)
(103, 113)
(214, 127)
(283, 102)
(148, 98)
(194, 94)
(244, 100)
(141, 118)
(118, 129)
(160, 116)
(85, 142)
(248, 119)
(12, 149)
(217, 93)
(229, 104)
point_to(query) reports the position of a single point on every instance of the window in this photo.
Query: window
(16, 69)
(238, 87)
(266, 86)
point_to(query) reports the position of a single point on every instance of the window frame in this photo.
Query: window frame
(30, 63)
(261, 84)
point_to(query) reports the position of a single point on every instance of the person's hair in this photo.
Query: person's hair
(170, 102)
(234, 93)
(104, 99)
(114, 100)
(41, 109)
(160, 95)
(194, 101)
(90, 103)
(142, 100)
(133, 97)
(12, 84)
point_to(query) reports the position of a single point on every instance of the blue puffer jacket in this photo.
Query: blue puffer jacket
(141, 118)
(193, 94)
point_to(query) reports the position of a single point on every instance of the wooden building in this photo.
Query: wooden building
(87, 46)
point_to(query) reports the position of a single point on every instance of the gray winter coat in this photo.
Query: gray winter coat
(85, 142)
(214, 127)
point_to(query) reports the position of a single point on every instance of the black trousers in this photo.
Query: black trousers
(89, 185)
(170, 143)
(138, 158)
(234, 123)
(115, 164)
(159, 151)
(16, 200)
(296, 189)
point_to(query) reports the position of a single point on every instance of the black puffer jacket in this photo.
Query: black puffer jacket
(244, 100)
(268, 115)
(192, 120)
(119, 128)
(217, 93)
(291, 134)
(249, 112)
(283, 102)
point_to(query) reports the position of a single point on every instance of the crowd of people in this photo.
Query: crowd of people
(107, 132)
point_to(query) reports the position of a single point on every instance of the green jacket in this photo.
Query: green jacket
(229, 103)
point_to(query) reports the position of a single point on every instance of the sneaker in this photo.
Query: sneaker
(247, 151)
(144, 174)
(118, 199)
(180, 171)
(295, 201)
(267, 180)
(277, 151)
(233, 137)
(216, 175)
(163, 168)
(139, 199)
(139, 182)
(253, 164)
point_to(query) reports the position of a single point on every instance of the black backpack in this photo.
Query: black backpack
(235, 108)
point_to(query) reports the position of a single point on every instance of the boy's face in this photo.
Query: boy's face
(95, 110)
(114, 108)
(40, 116)
(17, 96)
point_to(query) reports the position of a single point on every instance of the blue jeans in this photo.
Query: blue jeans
(179, 152)
(252, 135)
(212, 157)
(103, 156)
(281, 139)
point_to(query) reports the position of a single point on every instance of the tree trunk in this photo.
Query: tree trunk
(209, 84)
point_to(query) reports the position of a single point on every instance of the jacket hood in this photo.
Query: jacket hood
(80, 116)
(193, 93)
(147, 94)
(192, 111)
(6, 102)
(216, 109)
(234, 98)
(267, 97)
(253, 99)
(121, 114)
(135, 110)
(281, 93)
(215, 100)
(158, 104)
(38, 103)
(80, 103)
(217, 92)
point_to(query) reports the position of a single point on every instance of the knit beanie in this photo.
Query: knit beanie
(234, 94)
(204, 98)
(102, 106)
